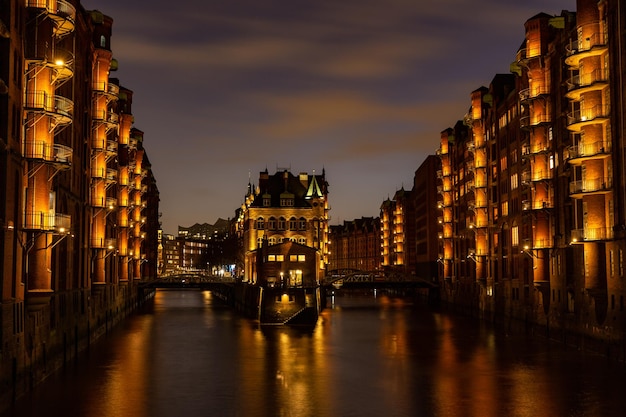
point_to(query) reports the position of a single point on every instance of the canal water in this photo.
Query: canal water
(185, 354)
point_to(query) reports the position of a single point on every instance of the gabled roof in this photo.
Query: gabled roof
(283, 184)
(314, 190)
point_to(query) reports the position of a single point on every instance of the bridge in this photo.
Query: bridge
(354, 278)
(189, 280)
(345, 278)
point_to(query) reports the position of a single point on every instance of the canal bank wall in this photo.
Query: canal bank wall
(45, 339)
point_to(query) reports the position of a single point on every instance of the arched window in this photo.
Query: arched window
(293, 223)
(260, 223)
(281, 223)
(302, 224)
(271, 224)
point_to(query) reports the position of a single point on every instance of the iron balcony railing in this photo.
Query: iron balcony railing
(590, 185)
(46, 221)
(587, 234)
(52, 153)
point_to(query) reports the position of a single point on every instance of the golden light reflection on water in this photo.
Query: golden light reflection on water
(365, 357)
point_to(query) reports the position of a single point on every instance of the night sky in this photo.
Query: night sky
(360, 88)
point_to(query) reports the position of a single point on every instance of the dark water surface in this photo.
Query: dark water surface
(187, 355)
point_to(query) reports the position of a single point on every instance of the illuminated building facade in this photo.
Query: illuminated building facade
(532, 181)
(409, 225)
(78, 200)
(355, 245)
(284, 207)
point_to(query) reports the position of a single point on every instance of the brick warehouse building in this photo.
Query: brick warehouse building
(355, 245)
(533, 182)
(78, 200)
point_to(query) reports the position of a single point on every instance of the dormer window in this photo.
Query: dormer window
(286, 199)
(267, 201)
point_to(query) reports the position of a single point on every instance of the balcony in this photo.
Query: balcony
(60, 109)
(62, 65)
(526, 54)
(61, 12)
(541, 175)
(592, 186)
(108, 118)
(103, 243)
(97, 172)
(111, 148)
(591, 234)
(111, 175)
(593, 81)
(529, 122)
(585, 151)
(533, 93)
(104, 202)
(133, 143)
(539, 204)
(579, 118)
(590, 46)
(109, 90)
(543, 243)
(538, 148)
(60, 156)
(46, 222)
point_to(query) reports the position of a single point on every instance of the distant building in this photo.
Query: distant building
(355, 245)
(172, 254)
(283, 207)
(408, 226)
(205, 230)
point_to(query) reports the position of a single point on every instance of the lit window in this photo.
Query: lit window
(293, 258)
(280, 258)
(301, 258)
(271, 258)
(514, 236)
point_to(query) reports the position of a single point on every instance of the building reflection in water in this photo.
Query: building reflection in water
(189, 355)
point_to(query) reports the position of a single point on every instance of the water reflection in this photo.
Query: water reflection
(188, 355)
